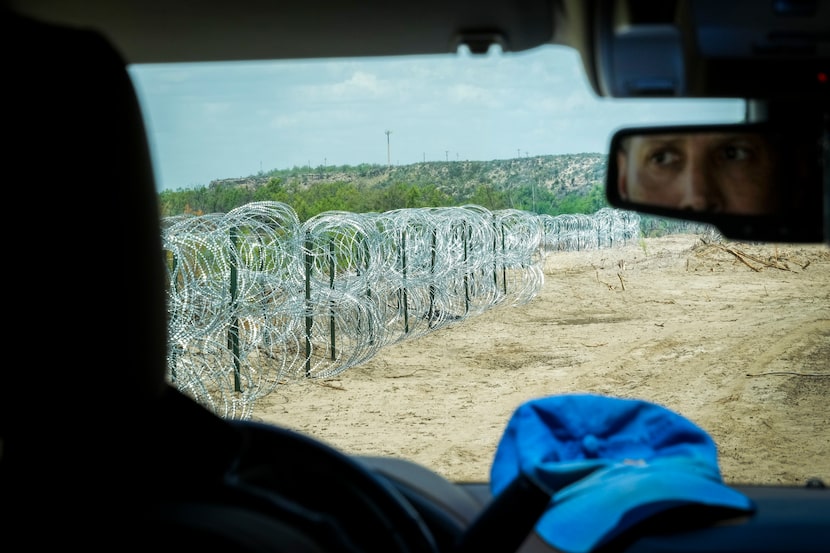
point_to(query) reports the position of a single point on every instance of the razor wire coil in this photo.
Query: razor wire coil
(257, 298)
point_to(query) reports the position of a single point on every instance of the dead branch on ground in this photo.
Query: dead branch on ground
(744, 258)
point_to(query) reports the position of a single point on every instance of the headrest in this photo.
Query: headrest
(86, 242)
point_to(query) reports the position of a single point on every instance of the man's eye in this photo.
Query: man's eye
(736, 153)
(664, 157)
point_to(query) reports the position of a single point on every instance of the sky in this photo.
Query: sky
(213, 121)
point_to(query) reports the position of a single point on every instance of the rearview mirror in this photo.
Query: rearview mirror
(752, 181)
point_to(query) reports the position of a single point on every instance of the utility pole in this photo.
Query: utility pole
(388, 150)
(533, 191)
(447, 155)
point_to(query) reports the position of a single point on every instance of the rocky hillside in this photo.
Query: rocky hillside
(559, 174)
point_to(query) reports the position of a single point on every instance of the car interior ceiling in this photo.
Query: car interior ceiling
(147, 462)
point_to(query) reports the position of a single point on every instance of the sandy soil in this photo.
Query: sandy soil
(734, 336)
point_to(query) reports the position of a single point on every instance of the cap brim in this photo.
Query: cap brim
(609, 502)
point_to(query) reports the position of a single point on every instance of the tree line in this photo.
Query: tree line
(354, 197)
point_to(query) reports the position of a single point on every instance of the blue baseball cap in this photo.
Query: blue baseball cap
(608, 463)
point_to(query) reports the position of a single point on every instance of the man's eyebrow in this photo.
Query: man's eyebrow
(745, 137)
(662, 140)
(741, 139)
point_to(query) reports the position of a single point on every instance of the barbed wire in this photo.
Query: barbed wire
(256, 298)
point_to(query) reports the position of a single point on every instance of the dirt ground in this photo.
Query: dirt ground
(734, 336)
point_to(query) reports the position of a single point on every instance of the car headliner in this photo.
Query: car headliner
(735, 54)
(155, 31)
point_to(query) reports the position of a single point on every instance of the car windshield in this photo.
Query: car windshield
(393, 254)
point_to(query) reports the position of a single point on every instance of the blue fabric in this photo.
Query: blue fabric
(608, 463)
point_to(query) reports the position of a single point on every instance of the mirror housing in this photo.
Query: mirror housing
(752, 181)
(698, 48)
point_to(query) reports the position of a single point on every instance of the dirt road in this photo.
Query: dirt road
(734, 336)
